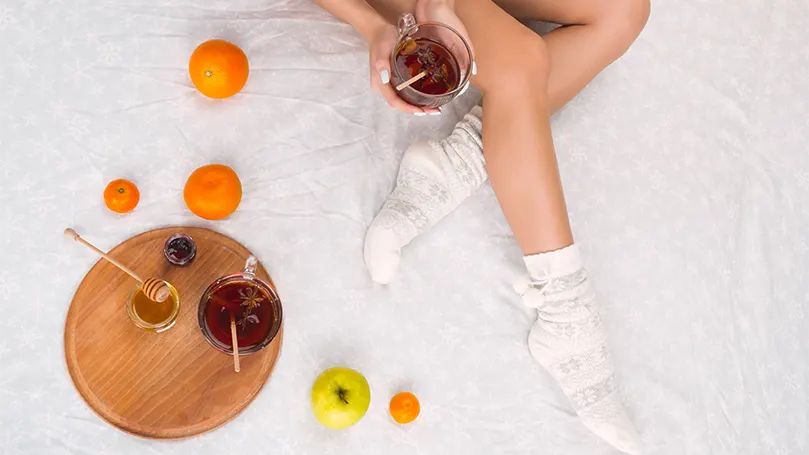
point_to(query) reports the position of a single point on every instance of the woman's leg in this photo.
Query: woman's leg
(573, 55)
(567, 339)
(514, 68)
(513, 73)
(594, 33)
(434, 178)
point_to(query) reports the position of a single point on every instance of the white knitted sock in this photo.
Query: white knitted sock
(568, 340)
(434, 178)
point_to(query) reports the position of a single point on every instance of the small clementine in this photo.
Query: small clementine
(121, 196)
(213, 191)
(218, 68)
(404, 407)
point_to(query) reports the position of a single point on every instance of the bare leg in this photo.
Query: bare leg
(594, 34)
(567, 337)
(517, 141)
(514, 72)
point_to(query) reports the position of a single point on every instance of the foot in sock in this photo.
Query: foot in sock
(434, 178)
(568, 340)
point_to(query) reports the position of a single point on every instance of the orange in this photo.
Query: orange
(213, 191)
(218, 68)
(121, 196)
(404, 407)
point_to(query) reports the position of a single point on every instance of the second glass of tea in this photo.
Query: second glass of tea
(251, 301)
(434, 48)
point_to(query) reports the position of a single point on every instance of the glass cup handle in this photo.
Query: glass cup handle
(250, 268)
(407, 25)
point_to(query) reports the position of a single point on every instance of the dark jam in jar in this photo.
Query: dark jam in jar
(180, 249)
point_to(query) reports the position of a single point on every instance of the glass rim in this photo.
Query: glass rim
(466, 78)
(204, 302)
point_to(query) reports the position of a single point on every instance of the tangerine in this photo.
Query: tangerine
(218, 68)
(213, 191)
(404, 407)
(121, 196)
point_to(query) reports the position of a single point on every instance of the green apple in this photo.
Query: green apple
(340, 397)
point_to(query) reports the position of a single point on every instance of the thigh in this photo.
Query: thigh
(483, 20)
(391, 9)
(503, 46)
(564, 12)
(471, 12)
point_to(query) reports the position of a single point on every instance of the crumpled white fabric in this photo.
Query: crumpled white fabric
(685, 172)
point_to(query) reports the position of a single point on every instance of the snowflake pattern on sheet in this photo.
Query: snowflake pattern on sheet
(685, 171)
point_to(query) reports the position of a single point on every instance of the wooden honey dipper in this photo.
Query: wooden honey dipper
(154, 289)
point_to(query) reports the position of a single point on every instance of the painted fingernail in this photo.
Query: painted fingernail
(385, 76)
(420, 114)
(435, 113)
(474, 68)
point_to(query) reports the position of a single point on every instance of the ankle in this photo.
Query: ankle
(554, 264)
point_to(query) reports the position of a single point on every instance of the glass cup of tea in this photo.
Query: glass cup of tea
(438, 51)
(251, 301)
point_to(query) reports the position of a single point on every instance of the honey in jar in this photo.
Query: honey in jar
(153, 316)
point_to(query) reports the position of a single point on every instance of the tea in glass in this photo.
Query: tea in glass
(253, 304)
(251, 309)
(424, 54)
(437, 49)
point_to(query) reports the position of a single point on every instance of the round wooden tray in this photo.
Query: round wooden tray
(166, 385)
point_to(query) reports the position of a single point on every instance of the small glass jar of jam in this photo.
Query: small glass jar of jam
(180, 249)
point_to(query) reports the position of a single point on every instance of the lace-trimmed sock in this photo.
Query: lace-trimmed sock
(568, 340)
(434, 178)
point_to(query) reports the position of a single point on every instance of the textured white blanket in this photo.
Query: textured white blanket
(686, 169)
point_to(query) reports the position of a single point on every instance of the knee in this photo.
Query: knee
(626, 19)
(532, 62)
(524, 63)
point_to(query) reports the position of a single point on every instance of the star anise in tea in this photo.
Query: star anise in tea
(249, 319)
(251, 298)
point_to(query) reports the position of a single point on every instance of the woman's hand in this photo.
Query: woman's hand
(383, 40)
(380, 47)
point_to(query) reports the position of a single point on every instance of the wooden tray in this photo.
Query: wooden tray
(169, 385)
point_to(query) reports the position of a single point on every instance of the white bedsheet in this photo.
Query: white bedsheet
(685, 165)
